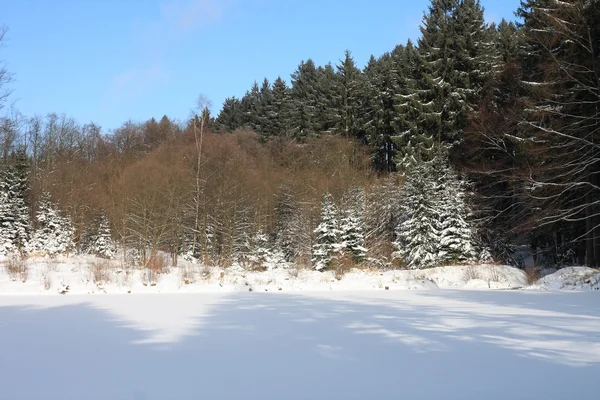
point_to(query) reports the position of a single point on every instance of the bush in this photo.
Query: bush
(533, 274)
(17, 268)
(341, 264)
(100, 271)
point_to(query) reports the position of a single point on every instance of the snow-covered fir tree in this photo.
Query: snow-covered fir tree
(261, 255)
(417, 235)
(15, 225)
(436, 228)
(327, 241)
(101, 242)
(54, 233)
(352, 225)
(457, 234)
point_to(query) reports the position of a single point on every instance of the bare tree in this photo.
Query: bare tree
(202, 105)
(5, 76)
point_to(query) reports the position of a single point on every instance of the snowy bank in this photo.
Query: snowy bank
(570, 278)
(90, 275)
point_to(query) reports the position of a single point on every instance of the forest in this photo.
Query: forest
(478, 142)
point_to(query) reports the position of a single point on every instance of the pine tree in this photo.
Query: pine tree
(327, 241)
(54, 233)
(457, 236)
(416, 118)
(352, 225)
(101, 243)
(303, 116)
(418, 234)
(350, 77)
(280, 108)
(230, 118)
(436, 227)
(15, 226)
(329, 98)
(261, 255)
(378, 109)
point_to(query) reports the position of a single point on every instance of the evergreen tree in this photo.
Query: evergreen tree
(350, 77)
(418, 234)
(352, 225)
(280, 108)
(415, 118)
(436, 227)
(261, 256)
(303, 116)
(327, 241)
(54, 233)
(456, 46)
(328, 99)
(378, 109)
(263, 117)
(101, 243)
(457, 236)
(14, 213)
(230, 118)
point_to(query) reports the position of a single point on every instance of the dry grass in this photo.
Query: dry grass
(17, 268)
(100, 272)
(158, 263)
(533, 274)
(341, 264)
(188, 274)
(293, 272)
(150, 277)
(47, 279)
(303, 261)
(495, 274)
(471, 273)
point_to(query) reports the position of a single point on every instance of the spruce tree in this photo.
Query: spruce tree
(350, 77)
(230, 118)
(54, 233)
(418, 234)
(280, 108)
(352, 225)
(101, 243)
(15, 225)
(416, 118)
(327, 241)
(435, 228)
(304, 94)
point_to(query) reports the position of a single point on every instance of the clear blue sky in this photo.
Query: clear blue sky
(108, 61)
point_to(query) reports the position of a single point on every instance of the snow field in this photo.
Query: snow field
(89, 275)
(450, 344)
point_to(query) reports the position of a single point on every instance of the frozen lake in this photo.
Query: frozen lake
(439, 344)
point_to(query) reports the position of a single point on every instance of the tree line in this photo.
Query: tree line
(474, 141)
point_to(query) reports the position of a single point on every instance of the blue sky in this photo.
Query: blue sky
(108, 61)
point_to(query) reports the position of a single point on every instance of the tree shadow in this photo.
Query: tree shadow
(274, 346)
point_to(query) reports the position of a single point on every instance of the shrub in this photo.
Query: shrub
(533, 274)
(100, 271)
(17, 268)
(341, 264)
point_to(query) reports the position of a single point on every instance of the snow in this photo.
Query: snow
(450, 344)
(570, 278)
(86, 274)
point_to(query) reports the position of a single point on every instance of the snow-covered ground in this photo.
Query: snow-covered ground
(89, 275)
(443, 344)
(571, 278)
